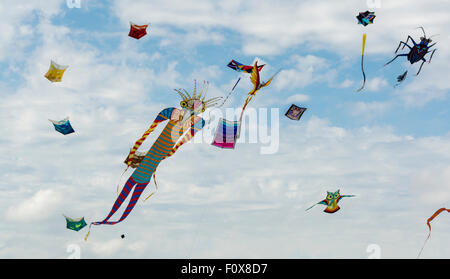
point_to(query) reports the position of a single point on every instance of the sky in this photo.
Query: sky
(388, 145)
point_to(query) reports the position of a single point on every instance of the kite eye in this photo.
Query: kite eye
(329, 197)
(183, 104)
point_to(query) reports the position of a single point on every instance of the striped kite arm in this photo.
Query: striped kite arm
(162, 116)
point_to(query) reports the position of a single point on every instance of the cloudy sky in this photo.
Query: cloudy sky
(388, 145)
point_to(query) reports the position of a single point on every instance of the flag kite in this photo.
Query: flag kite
(63, 126)
(182, 126)
(55, 72)
(331, 201)
(366, 18)
(295, 112)
(75, 224)
(362, 62)
(137, 31)
(226, 134)
(439, 211)
(241, 67)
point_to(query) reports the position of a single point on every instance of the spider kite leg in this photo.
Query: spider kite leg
(429, 60)
(423, 61)
(404, 44)
(407, 39)
(396, 58)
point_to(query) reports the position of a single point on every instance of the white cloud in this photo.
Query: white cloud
(37, 208)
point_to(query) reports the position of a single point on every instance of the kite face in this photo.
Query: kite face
(332, 200)
(63, 126)
(366, 18)
(75, 224)
(242, 68)
(226, 134)
(196, 103)
(137, 31)
(55, 72)
(295, 112)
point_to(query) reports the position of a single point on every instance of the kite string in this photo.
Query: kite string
(229, 93)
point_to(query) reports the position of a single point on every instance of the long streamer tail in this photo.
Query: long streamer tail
(362, 62)
(429, 226)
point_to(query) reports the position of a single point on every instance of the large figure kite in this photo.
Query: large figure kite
(439, 211)
(181, 122)
(416, 52)
(331, 201)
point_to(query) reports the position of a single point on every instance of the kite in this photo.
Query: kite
(226, 134)
(366, 18)
(63, 126)
(241, 67)
(122, 236)
(55, 72)
(439, 211)
(331, 201)
(401, 78)
(75, 224)
(295, 112)
(257, 84)
(137, 31)
(362, 62)
(228, 131)
(418, 51)
(182, 126)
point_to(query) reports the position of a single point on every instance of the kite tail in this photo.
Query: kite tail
(121, 179)
(156, 186)
(439, 211)
(131, 184)
(362, 63)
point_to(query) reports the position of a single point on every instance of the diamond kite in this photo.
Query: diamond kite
(63, 126)
(75, 224)
(137, 31)
(295, 112)
(55, 72)
(331, 201)
(366, 18)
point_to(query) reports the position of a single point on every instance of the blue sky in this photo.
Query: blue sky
(390, 146)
